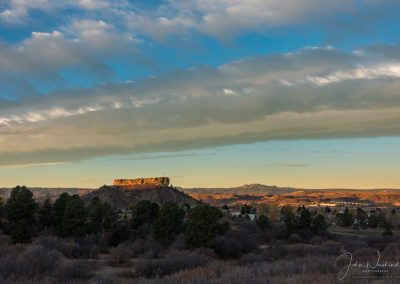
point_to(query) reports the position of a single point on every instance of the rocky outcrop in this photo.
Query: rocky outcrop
(139, 182)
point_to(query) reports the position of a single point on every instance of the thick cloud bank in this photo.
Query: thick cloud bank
(312, 93)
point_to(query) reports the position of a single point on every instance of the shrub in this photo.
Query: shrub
(138, 247)
(252, 257)
(121, 254)
(250, 236)
(227, 247)
(278, 251)
(69, 248)
(316, 240)
(74, 269)
(331, 247)
(353, 245)
(21, 233)
(173, 262)
(278, 230)
(36, 262)
(365, 254)
(294, 239)
(120, 234)
(392, 250)
(152, 249)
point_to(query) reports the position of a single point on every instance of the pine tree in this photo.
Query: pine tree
(21, 233)
(202, 226)
(168, 223)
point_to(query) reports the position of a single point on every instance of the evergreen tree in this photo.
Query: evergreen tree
(120, 233)
(95, 215)
(168, 223)
(318, 224)
(263, 222)
(59, 208)
(46, 214)
(225, 207)
(144, 212)
(74, 221)
(21, 233)
(202, 226)
(288, 218)
(100, 216)
(246, 209)
(345, 219)
(305, 218)
(21, 206)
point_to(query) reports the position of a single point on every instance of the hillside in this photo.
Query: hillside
(258, 193)
(121, 197)
(253, 189)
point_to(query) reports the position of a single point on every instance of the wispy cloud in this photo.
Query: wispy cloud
(294, 165)
(32, 165)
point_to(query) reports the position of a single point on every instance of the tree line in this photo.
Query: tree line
(70, 217)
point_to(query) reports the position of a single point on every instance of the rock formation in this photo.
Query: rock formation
(138, 182)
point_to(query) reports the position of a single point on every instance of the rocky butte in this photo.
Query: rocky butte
(142, 182)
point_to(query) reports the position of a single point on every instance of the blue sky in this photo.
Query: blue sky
(92, 90)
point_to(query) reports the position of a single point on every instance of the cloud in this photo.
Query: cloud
(218, 18)
(368, 72)
(190, 109)
(82, 46)
(32, 165)
(18, 11)
(229, 18)
(85, 37)
(294, 165)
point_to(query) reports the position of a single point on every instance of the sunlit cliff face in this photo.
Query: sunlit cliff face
(138, 182)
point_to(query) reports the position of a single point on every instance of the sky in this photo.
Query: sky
(212, 93)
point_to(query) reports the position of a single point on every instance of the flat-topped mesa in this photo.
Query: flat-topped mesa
(142, 182)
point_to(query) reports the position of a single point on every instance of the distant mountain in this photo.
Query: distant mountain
(121, 197)
(252, 189)
(258, 193)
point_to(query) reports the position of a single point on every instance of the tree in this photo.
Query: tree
(1, 211)
(186, 208)
(202, 226)
(46, 214)
(376, 219)
(120, 233)
(168, 223)
(388, 229)
(318, 224)
(21, 233)
(225, 207)
(246, 209)
(144, 212)
(73, 224)
(288, 218)
(345, 219)
(273, 212)
(305, 218)
(100, 216)
(59, 208)
(21, 205)
(263, 222)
